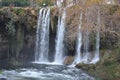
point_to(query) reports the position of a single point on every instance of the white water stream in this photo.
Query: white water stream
(42, 36)
(96, 56)
(59, 48)
(78, 56)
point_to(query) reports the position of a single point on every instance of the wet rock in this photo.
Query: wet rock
(86, 66)
(68, 60)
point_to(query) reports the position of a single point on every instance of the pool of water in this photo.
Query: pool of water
(46, 72)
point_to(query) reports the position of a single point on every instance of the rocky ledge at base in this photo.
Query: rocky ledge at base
(108, 68)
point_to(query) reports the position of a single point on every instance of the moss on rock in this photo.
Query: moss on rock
(108, 68)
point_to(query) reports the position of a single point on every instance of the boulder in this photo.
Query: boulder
(87, 67)
(68, 60)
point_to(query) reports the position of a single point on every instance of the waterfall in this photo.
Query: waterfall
(112, 2)
(96, 56)
(59, 3)
(86, 54)
(87, 57)
(78, 56)
(59, 49)
(42, 36)
(67, 3)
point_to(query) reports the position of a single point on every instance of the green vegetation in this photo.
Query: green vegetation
(11, 28)
(0, 71)
(14, 3)
(113, 9)
(25, 3)
(0, 2)
(106, 69)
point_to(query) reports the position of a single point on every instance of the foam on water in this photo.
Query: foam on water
(47, 72)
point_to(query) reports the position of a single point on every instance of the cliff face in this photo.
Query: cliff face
(109, 26)
(17, 30)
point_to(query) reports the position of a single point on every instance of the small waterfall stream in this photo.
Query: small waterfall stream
(42, 36)
(86, 56)
(59, 49)
(78, 56)
(86, 53)
(96, 56)
(59, 3)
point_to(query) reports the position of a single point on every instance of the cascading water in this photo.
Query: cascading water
(59, 3)
(42, 36)
(96, 56)
(59, 49)
(112, 2)
(87, 57)
(78, 56)
(45, 72)
(86, 53)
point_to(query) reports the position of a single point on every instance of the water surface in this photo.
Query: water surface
(46, 72)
